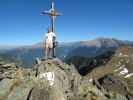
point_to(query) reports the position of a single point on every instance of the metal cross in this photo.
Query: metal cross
(53, 14)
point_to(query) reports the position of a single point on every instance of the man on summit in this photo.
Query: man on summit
(49, 44)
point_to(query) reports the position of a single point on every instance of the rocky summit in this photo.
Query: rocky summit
(53, 79)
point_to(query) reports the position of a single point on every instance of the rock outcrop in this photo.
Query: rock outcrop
(117, 74)
(55, 80)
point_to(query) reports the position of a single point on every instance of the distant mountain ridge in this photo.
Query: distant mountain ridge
(65, 50)
(97, 47)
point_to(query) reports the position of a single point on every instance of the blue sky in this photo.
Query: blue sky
(22, 24)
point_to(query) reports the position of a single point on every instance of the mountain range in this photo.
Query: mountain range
(27, 54)
(99, 69)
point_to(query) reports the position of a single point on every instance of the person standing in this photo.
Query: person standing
(49, 44)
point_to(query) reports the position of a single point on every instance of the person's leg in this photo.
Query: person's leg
(46, 52)
(53, 50)
(50, 50)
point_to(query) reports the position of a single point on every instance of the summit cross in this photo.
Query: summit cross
(53, 14)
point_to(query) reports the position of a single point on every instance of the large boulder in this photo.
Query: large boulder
(62, 79)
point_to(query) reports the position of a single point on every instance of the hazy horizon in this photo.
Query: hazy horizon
(13, 46)
(22, 24)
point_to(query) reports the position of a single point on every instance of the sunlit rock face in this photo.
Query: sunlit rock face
(50, 76)
(59, 80)
(117, 74)
(69, 84)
